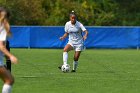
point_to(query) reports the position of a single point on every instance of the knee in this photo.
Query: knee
(65, 50)
(75, 58)
(10, 81)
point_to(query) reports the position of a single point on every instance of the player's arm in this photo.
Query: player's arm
(7, 53)
(66, 32)
(86, 34)
(84, 30)
(7, 27)
(64, 36)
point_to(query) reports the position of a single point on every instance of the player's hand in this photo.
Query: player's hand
(13, 59)
(85, 37)
(61, 38)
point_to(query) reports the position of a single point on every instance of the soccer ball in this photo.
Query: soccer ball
(65, 68)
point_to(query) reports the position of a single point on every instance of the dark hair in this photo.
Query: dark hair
(1, 9)
(73, 13)
(4, 10)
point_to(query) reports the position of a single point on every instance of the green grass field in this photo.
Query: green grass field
(100, 71)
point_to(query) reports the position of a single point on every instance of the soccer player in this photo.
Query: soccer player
(5, 75)
(7, 27)
(73, 29)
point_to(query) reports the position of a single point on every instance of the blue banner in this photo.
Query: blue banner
(99, 37)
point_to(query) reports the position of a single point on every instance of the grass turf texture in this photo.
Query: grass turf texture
(100, 71)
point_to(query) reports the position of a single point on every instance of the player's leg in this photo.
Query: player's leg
(8, 61)
(66, 49)
(78, 49)
(7, 78)
(75, 62)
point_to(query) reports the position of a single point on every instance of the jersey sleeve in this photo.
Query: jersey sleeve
(3, 35)
(66, 27)
(82, 27)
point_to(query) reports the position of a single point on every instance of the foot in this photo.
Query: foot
(73, 71)
(5, 66)
(59, 67)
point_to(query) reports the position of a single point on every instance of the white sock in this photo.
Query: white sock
(75, 65)
(6, 88)
(65, 57)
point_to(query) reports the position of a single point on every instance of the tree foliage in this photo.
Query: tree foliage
(89, 12)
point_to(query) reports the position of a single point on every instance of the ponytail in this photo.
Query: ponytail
(72, 13)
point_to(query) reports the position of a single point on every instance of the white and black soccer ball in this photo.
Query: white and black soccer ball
(65, 68)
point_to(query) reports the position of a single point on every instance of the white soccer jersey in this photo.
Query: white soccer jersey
(2, 33)
(75, 32)
(2, 38)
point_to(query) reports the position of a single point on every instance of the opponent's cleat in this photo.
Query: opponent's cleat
(5, 66)
(73, 71)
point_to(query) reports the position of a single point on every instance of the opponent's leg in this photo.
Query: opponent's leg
(8, 61)
(7, 78)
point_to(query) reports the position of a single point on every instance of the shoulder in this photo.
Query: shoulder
(81, 26)
(79, 23)
(68, 23)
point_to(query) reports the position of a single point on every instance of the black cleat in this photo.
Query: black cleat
(5, 66)
(59, 67)
(73, 71)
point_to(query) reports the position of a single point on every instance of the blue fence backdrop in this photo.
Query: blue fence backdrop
(99, 37)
